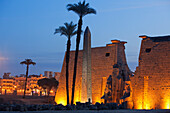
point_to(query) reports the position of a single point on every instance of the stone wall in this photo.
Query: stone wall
(151, 82)
(102, 61)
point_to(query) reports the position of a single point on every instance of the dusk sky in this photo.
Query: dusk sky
(27, 29)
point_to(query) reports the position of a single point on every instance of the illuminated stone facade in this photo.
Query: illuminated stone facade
(102, 61)
(147, 88)
(151, 82)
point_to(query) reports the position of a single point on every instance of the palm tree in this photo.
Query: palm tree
(68, 30)
(27, 62)
(81, 9)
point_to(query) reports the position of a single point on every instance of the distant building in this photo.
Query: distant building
(0, 86)
(41, 75)
(57, 75)
(15, 85)
(7, 85)
(48, 74)
(6, 75)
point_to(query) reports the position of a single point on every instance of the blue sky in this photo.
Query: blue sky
(27, 27)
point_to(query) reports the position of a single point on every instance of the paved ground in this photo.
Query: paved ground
(91, 111)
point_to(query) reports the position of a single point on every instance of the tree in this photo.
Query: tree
(48, 84)
(68, 30)
(81, 9)
(27, 62)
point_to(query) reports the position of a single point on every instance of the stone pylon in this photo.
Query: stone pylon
(86, 90)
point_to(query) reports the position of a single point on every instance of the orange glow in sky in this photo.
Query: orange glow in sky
(3, 58)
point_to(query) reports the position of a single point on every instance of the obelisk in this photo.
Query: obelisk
(86, 91)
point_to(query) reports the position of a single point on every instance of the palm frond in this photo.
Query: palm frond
(28, 62)
(23, 62)
(91, 10)
(68, 29)
(81, 9)
(74, 33)
(33, 63)
(57, 31)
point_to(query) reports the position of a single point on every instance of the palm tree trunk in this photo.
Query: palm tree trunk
(67, 67)
(76, 57)
(26, 81)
